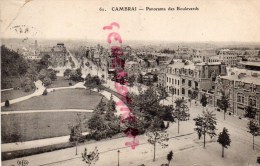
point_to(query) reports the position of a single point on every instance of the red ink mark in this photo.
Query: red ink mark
(110, 27)
(116, 36)
(117, 61)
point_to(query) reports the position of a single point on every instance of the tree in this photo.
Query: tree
(169, 157)
(205, 124)
(100, 109)
(76, 132)
(254, 129)
(44, 62)
(111, 104)
(155, 78)
(27, 84)
(52, 74)
(47, 81)
(131, 81)
(193, 95)
(162, 93)
(67, 73)
(45, 92)
(172, 92)
(140, 78)
(223, 103)
(7, 103)
(96, 123)
(203, 101)
(91, 157)
(75, 75)
(111, 108)
(181, 111)
(92, 82)
(224, 139)
(159, 137)
(250, 112)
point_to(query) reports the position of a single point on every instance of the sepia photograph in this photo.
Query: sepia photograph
(130, 82)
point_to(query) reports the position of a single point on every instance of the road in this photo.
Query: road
(186, 146)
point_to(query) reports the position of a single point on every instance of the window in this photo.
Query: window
(178, 92)
(167, 79)
(183, 81)
(189, 92)
(240, 98)
(183, 91)
(175, 81)
(178, 82)
(189, 83)
(252, 101)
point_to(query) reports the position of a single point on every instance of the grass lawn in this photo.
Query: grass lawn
(31, 126)
(13, 94)
(60, 99)
(61, 82)
(10, 82)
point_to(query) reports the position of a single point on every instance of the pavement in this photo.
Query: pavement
(39, 90)
(33, 111)
(2, 90)
(186, 146)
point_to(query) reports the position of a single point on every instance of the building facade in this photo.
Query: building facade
(185, 78)
(243, 90)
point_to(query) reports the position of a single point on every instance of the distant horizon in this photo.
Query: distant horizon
(132, 40)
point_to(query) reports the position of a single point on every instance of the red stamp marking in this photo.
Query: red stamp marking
(117, 55)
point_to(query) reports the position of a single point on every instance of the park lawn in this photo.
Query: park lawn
(39, 125)
(13, 94)
(10, 82)
(61, 82)
(60, 99)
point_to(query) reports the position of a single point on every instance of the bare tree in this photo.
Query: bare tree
(90, 158)
(159, 137)
(254, 129)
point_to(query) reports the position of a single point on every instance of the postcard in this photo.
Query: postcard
(130, 82)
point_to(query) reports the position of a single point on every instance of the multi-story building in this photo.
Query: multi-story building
(183, 53)
(162, 76)
(243, 90)
(229, 57)
(132, 68)
(187, 77)
(208, 55)
(58, 55)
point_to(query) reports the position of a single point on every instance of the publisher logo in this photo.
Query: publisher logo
(22, 162)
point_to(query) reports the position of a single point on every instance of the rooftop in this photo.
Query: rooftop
(249, 63)
(246, 79)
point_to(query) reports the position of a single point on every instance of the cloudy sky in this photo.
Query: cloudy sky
(216, 20)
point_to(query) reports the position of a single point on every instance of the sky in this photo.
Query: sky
(216, 20)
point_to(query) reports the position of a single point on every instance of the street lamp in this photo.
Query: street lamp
(118, 156)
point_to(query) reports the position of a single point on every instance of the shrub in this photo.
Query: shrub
(45, 92)
(7, 104)
(70, 84)
(47, 81)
